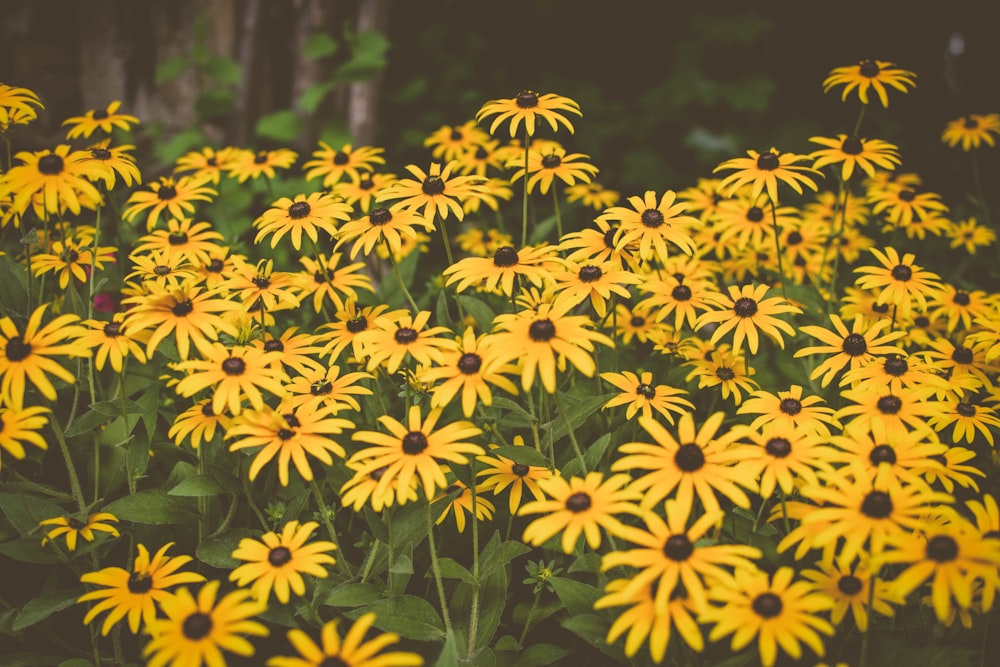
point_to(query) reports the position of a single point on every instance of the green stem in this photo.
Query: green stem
(388, 527)
(835, 243)
(777, 247)
(863, 661)
(436, 568)
(533, 422)
(474, 611)
(324, 512)
(555, 200)
(861, 115)
(74, 481)
(524, 207)
(399, 278)
(128, 457)
(530, 617)
(369, 562)
(572, 435)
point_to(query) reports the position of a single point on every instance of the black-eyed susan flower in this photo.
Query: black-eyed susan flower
(954, 470)
(642, 620)
(592, 194)
(972, 131)
(747, 221)
(951, 555)
(205, 164)
(71, 258)
(851, 349)
(325, 279)
(502, 473)
(303, 214)
(175, 196)
(136, 593)
(544, 339)
(361, 488)
(449, 141)
(774, 609)
(965, 417)
(199, 423)
(29, 356)
(699, 461)
(18, 106)
(192, 240)
(960, 306)
(327, 388)
(580, 505)
(72, 529)
(160, 270)
(763, 171)
(544, 168)
(246, 164)
(639, 393)
(381, 224)
(679, 299)
(361, 190)
(392, 340)
(958, 361)
(902, 205)
(971, 235)
(20, 426)
(902, 282)
(119, 164)
(905, 457)
(789, 410)
(576, 283)
(503, 269)
(785, 456)
(597, 244)
(259, 282)
(883, 412)
(417, 450)
(291, 435)
(746, 312)
(189, 312)
(57, 180)
(672, 554)
(527, 107)
(342, 332)
(275, 563)
(652, 223)
(351, 650)
(436, 192)
(726, 370)
(854, 152)
(332, 164)
(110, 342)
(195, 632)
(459, 501)
(870, 75)
(105, 120)
(471, 369)
(232, 374)
(849, 587)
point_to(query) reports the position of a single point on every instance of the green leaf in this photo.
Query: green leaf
(479, 310)
(218, 551)
(313, 96)
(403, 565)
(507, 643)
(40, 608)
(198, 486)
(540, 654)
(367, 57)
(497, 554)
(88, 422)
(351, 595)
(506, 403)
(214, 103)
(319, 45)
(577, 412)
(167, 151)
(283, 126)
(406, 615)
(152, 507)
(593, 629)
(452, 569)
(449, 653)
(114, 408)
(29, 550)
(170, 69)
(578, 597)
(523, 454)
(24, 511)
(224, 70)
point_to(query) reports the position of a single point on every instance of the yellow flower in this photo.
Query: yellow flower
(72, 528)
(870, 75)
(276, 562)
(528, 106)
(972, 131)
(105, 120)
(29, 355)
(351, 651)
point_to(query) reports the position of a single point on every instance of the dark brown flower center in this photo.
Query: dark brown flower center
(139, 583)
(380, 216)
(505, 256)
(162, 270)
(414, 442)
(681, 293)
(965, 409)
(868, 68)
(177, 238)
(341, 158)
(17, 349)
(51, 165)
(790, 406)
(902, 272)
(877, 505)
(794, 238)
(456, 134)
(678, 548)
(100, 154)
(895, 365)
(589, 274)
(882, 454)
(470, 363)
(278, 556)
(970, 123)
(299, 210)
(520, 469)
(889, 405)
(779, 448)
(745, 307)
(182, 308)
(112, 329)
(755, 214)
(962, 355)
(432, 185)
(320, 388)
(768, 161)
(961, 299)
(234, 366)
(907, 195)
(526, 99)
(260, 158)
(855, 345)
(166, 193)
(405, 335)
(689, 457)
(357, 325)
(100, 114)
(541, 331)
(849, 585)
(206, 409)
(197, 626)
(216, 266)
(880, 308)
(852, 146)
(725, 374)
(645, 390)
(942, 548)
(652, 218)
(578, 502)
(637, 321)
(274, 345)
(767, 605)
(366, 183)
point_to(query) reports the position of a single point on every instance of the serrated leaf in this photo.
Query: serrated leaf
(283, 126)
(40, 608)
(152, 507)
(319, 45)
(218, 551)
(578, 597)
(406, 615)
(522, 454)
(351, 595)
(197, 486)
